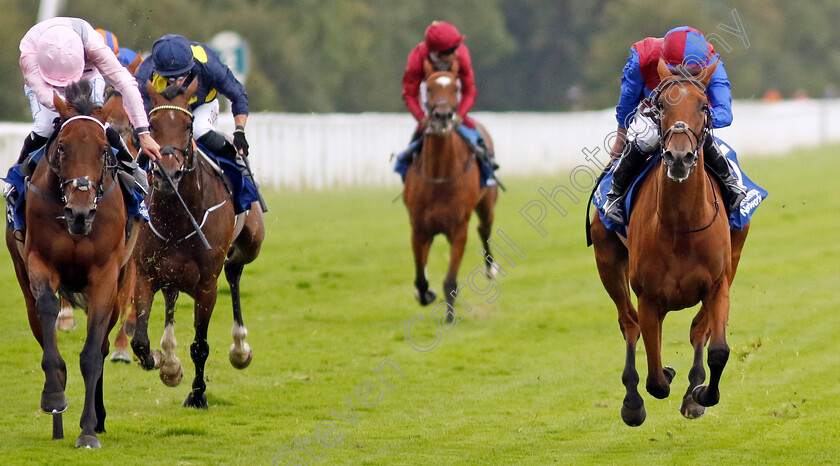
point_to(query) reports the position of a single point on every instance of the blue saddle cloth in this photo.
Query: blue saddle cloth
(470, 135)
(135, 205)
(755, 193)
(244, 192)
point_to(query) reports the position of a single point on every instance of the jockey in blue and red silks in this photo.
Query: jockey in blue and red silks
(442, 47)
(684, 46)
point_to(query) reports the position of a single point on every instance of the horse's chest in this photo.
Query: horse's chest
(674, 277)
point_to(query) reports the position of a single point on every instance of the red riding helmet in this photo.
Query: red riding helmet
(441, 36)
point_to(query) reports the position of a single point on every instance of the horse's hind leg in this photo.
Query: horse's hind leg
(171, 371)
(718, 307)
(205, 300)
(484, 211)
(66, 321)
(420, 244)
(697, 375)
(458, 241)
(612, 261)
(143, 298)
(126, 293)
(240, 354)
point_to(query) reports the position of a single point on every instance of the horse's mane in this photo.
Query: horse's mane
(171, 92)
(111, 92)
(78, 96)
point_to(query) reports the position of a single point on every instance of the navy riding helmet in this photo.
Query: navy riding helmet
(172, 55)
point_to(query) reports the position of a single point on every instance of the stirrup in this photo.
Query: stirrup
(614, 211)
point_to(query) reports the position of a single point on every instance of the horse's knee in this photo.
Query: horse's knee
(47, 305)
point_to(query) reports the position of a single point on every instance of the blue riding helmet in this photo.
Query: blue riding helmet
(172, 55)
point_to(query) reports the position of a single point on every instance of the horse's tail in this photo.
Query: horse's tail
(77, 300)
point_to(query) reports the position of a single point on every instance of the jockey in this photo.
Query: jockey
(175, 60)
(683, 45)
(127, 57)
(442, 47)
(60, 51)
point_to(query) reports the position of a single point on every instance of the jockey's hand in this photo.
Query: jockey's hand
(458, 119)
(424, 122)
(149, 146)
(240, 143)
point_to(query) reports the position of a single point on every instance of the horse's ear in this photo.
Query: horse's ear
(132, 67)
(663, 70)
(191, 89)
(455, 68)
(708, 71)
(61, 106)
(153, 93)
(428, 69)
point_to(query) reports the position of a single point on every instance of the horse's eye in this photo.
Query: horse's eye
(706, 107)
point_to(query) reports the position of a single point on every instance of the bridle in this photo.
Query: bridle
(171, 150)
(681, 127)
(82, 183)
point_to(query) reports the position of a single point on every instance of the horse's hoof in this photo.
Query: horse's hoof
(53, 403)
(690, 409)
(65, 323)
(242, 358)
(121, 355)
(193, 401)
(704, 397)
(88, 441)
(426, 298)
(171, 374)
(633, 417)
(669, 373)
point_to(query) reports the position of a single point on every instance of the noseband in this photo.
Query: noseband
(170, 150)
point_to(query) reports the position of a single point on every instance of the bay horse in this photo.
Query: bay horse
(679, 251)
(442, 189)
(74, 245)
(169, 256)
(113, 113)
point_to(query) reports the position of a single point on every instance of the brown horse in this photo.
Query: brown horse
(75, 244)
(169, 255)
(114, 114)
(442, 189)
(679, 251)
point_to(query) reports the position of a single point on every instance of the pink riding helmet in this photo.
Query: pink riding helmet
(61, 56)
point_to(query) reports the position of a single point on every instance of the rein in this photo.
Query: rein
(714, 217)
(449, 179)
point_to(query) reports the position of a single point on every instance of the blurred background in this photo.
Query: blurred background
(328, 56)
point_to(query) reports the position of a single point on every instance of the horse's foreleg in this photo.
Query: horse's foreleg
(458, 241)
(199, 350)
(143, 297)
(420, 245)
(697, 375)
(171, 371)
(650, 320)
(718, 306)
(43, 291)
(240, 354)
(126, 296)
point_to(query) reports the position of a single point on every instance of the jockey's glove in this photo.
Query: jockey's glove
(239, 142)
(458, 119)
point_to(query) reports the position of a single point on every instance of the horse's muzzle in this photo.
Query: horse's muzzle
(680, 164)
(79, 220)
(441, 121)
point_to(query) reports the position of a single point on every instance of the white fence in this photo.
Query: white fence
(310, 151)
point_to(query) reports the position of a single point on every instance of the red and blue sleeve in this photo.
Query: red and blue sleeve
(632, 90)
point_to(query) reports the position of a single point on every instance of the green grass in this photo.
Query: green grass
(533, 378)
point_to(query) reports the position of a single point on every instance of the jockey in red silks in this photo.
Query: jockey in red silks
(683, 46)
(442, 48)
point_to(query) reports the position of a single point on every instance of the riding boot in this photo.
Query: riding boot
(407, 156)
(32, 143)
(629, 166)
(218, 145)
(733, 191)
(126, 163)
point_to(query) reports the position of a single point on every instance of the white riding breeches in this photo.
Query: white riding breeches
(205, 117)
(43, 116)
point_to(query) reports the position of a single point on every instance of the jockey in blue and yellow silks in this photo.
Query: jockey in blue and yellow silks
(686, 47)
(175, 60)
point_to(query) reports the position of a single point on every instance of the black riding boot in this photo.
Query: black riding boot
(136, 176)
(32, 143)
(218, 145)
(629, 166)
(733, 191)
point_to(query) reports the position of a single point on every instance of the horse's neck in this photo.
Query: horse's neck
(442, 155)
(688, 205)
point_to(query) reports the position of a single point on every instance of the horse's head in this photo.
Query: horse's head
(684, 116)
(442, 101)
(171, 125)
(80, 157)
